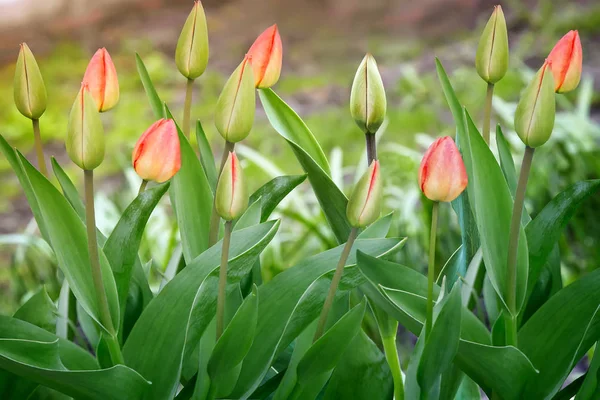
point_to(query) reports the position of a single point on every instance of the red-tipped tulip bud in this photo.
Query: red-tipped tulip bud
(565, 62)
(101, 78)
(266, 54)
(534, 117)
(85, 134)
(364, 205)
(367, 98)
(234, 115)
(156, 155)
(230, 199)
(29, 91)
(491, 59)
(442, 174)
(191, 54)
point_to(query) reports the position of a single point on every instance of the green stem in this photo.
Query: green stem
(39, 149)
(391, 354)
(431, 268)
(114, 349)
(513, 246)
(215, 220)
(142, 186)
(335, 281)
(371, 147)
(223, 280)
(187, 107)
(487, 114)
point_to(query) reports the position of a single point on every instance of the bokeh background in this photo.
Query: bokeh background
(324, 41)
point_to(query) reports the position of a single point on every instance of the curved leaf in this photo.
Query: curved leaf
(39, 310)
(153, 98)
(206, 156)
(274, 191)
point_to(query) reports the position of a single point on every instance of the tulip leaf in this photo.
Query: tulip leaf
(68, 188)
(206, 156)
(378, 229)
(285, 311)
(274, 191)
(590, 388)
(312, 159)
(174, 321)
(506, 161)
(153, 98)
(39, 310)
(68, 239)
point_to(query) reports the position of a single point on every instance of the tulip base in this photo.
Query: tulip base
(487, 113)
(39, 149)
(187, 107)
(371, 147)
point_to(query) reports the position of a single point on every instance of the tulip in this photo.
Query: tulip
(85, 134)
(565, 62)
(156, 155)
(364, 205)
(230, 198)
(101, 78)
(442, 173)
(534, 117)
(266, 53)
(191, 54)
(491, 59)
(234, 114)
(29, 91)
(367, 98)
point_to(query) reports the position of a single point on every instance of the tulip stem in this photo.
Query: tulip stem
(223, 280)
(513, 246)
(335, 281)
(187, 107)
(391, 354)
(39, 149)
(487, 114)
(213, 235)
(431, 268)
(105, 317)
(371, 148)
(142, 186)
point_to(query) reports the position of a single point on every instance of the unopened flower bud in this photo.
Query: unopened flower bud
(101, 78)
(230, 198)
(234, 114)
(364, 205)
(29, 91)
(367, 98)
(491, 59)
(191, 54)
(85, 134)
(156, 155)
(565, 61)
(442, 173)
(266, 53)
(534, 117)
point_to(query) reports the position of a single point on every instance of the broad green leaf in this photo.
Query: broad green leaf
(308, 152)
(282, 315)
(174, 321)
(206, 156)
(590, 388)
(378, 229)
(274, 191)
(39, 310)
(69, 190)
(506, 161)
(250, 217)
(68, 239)
(547, 285)
(153, 98)
(38, 355)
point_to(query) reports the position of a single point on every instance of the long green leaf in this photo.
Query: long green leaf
(590, 388)
(153, 98)
(274, 191)
(39, 310)
(206, 156)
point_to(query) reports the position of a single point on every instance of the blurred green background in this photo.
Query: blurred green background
(324, 41)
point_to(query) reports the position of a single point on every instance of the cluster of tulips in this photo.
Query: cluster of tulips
(156, 156)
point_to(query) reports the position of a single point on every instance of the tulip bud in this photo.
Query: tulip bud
(101, 78)
(266, 53)
(534, 117)
(191, 54)
(565, 62)
(442, 173)
(367, 98)
(364, 205)
(234, 115)
(491, 59)
(230, 198)
(30, 92)
(85, 134)
(156, 155)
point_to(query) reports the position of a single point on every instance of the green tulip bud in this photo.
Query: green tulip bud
(234, 115)
(230, 198)
(85, 135)
(364, 205)
(534, 118)
(491, 60)
(30, 92)
(367, 98)
(191, 54)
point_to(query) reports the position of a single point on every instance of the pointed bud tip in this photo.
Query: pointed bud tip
(442, 173)
(491, 60)
(29, 89)
(156, 155)
(567, 58)
(368, 102)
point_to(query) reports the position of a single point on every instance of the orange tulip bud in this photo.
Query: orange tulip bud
(101, 78)
(266, 54)
(442, 174)
(156, 155)
(565, 62)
